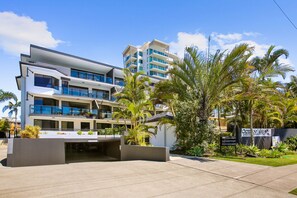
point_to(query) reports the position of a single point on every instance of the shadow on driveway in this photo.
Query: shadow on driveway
(4, 162)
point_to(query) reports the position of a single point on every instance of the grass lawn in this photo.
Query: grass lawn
(294, 192)
(282, 161)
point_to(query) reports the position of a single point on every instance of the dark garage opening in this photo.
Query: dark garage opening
(92, 151)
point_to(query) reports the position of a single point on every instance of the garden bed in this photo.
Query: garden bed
(294, 192)
(275, 162)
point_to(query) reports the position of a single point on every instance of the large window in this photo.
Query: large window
(90, 76)
(46, 81)
(67, 126)
(47, 124)
(100, 94)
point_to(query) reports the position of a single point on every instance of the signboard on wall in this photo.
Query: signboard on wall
(275, 140)
(246, 132)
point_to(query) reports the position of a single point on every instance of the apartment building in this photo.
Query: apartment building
(153, 58)
(62, 92)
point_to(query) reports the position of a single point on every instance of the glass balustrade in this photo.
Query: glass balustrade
(66, 111)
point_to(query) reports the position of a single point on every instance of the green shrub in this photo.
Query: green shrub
(252, 150)
(282, 147)
(79, 132)
(242, 149)
(264, 153)
(197, 151)
(292, 143)
(227, 150)
(275, 154)
(30, 132)
(90, 133)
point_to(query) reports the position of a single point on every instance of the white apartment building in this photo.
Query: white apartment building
(64, 94)
(153, 58)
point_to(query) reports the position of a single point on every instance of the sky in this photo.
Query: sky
(101, 30)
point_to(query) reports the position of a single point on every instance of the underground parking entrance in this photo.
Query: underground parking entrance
(92, 151)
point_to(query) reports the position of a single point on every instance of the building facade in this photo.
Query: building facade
(64, 94)
(153, 58)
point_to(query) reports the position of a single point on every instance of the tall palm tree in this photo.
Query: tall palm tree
(13, 109)
(269, 65)
(205, 78)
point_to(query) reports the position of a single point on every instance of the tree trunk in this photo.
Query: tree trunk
(219, 119)
(15, 124)
(251, 124)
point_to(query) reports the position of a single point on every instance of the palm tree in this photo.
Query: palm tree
(13, 109)
(5, 95)
(135, 105)
(292, 86)
(269, 65)
(205, 78)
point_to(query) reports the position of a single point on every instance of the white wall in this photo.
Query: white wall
(164, 137)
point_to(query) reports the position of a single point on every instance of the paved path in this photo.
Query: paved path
(180, 177)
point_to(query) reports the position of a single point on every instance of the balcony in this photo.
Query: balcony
(119, 82)
(158, 68)
(63, 111)
(90, 76)
(132, 65)
(158, 61)
(158, 75)
(45, 110)
(157, 53)
(84, 93)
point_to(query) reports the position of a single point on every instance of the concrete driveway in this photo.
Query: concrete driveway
(181, 177)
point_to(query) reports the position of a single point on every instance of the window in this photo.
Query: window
(45, 101)
(46, 81)
(103, 125)
(67, 125)
(100, 94)
(85, 126)
(47, 124)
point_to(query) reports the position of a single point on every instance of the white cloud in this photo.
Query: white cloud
(186, 40)
(18, 32)
(254, 34)
(223, 42)
(218, 41)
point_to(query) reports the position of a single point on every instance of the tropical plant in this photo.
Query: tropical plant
(269, 65)
(5, 95)
(30, 132)
(135, 106)
(196, 151)
(12, 107)
(205, 78)
(196, 85)
(4, 125)
(292, 143)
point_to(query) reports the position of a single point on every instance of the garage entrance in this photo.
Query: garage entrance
(92, 151)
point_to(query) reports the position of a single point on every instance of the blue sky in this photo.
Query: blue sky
(100, 30)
